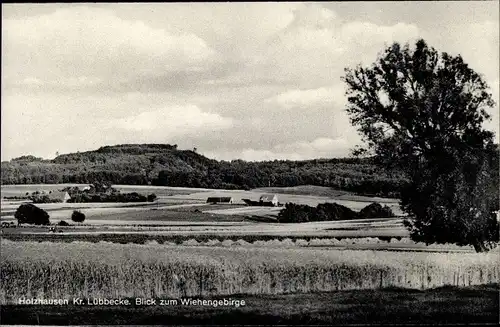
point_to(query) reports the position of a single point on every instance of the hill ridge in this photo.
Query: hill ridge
(167, 165)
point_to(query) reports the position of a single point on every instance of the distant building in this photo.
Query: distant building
(218, 199)
(269, 199)
(60, 196)
(250, 202)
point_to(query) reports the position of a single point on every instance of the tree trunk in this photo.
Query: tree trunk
(479, 246)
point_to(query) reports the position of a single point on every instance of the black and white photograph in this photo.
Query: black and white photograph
(250, 163)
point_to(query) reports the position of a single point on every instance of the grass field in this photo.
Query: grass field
(322, 191)
(359, 271)
(160, 225)
(20, 190)
(67, 270)
(182, 199)
(385, 243)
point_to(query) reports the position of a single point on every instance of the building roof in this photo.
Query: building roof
(267, 197)
(59, 195)
(219, 199)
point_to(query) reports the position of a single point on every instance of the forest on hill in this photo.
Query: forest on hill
(166, 165)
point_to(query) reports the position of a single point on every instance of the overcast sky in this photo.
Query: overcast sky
(254, 81)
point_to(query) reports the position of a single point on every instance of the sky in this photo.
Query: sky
(251, 81)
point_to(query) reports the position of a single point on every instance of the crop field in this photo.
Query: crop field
(176, 204)
(67, 270)
(322, 191)
(165, 222)
(20, 190)
(180, 246)
(178, 197)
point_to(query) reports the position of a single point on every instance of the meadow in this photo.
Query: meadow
(81, 269)
(21, 189)
(180, 246)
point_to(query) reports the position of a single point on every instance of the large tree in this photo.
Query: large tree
(423, 112)
(28, 213)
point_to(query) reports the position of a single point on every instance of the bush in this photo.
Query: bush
(334, 211)
(104, 197)
(44, 199)
(77, 216)
(63, 223)
(297, 213)
(152, 197)
(28, 213)
(375, 210)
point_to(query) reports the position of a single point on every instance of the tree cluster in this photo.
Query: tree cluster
(28, 213)
(165, 165)
(300, 213)
(103, 192)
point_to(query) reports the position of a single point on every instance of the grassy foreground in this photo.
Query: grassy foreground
(450, 305)
(105, 270)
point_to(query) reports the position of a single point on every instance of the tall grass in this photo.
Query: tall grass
(79, 269)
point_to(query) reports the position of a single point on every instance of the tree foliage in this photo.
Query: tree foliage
(300, 213)
(422, 112)
(414, 104)
(78, 216)
(28, 213)
(165, 165)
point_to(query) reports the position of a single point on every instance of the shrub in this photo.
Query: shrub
(104, 197)
(375, 210)
(28, 213)
(334, 211)
(44, 199)
(77, 216)
(62, 223)
(152, 197)
(297, 213)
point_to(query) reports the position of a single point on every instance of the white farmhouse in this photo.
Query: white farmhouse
(269, 199)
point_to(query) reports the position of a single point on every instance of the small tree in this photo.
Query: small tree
(375, 210)
(28, 213)
(77, 216)
(152, 197)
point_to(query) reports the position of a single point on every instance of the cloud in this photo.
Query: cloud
(478, 43)
(322, 147)
(69, 124)
(494, 123)
(316, 46)
(92, 42)
(172, 121)
(252, 80)
(310, 97)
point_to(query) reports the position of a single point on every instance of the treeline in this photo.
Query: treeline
(104, 192)
(96, 192)
(114, 197)
(165, 165)
(300, 213)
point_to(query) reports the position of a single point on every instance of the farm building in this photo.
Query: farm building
(267, 199)
(251, 202)
(218, 199)
(60, 196)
